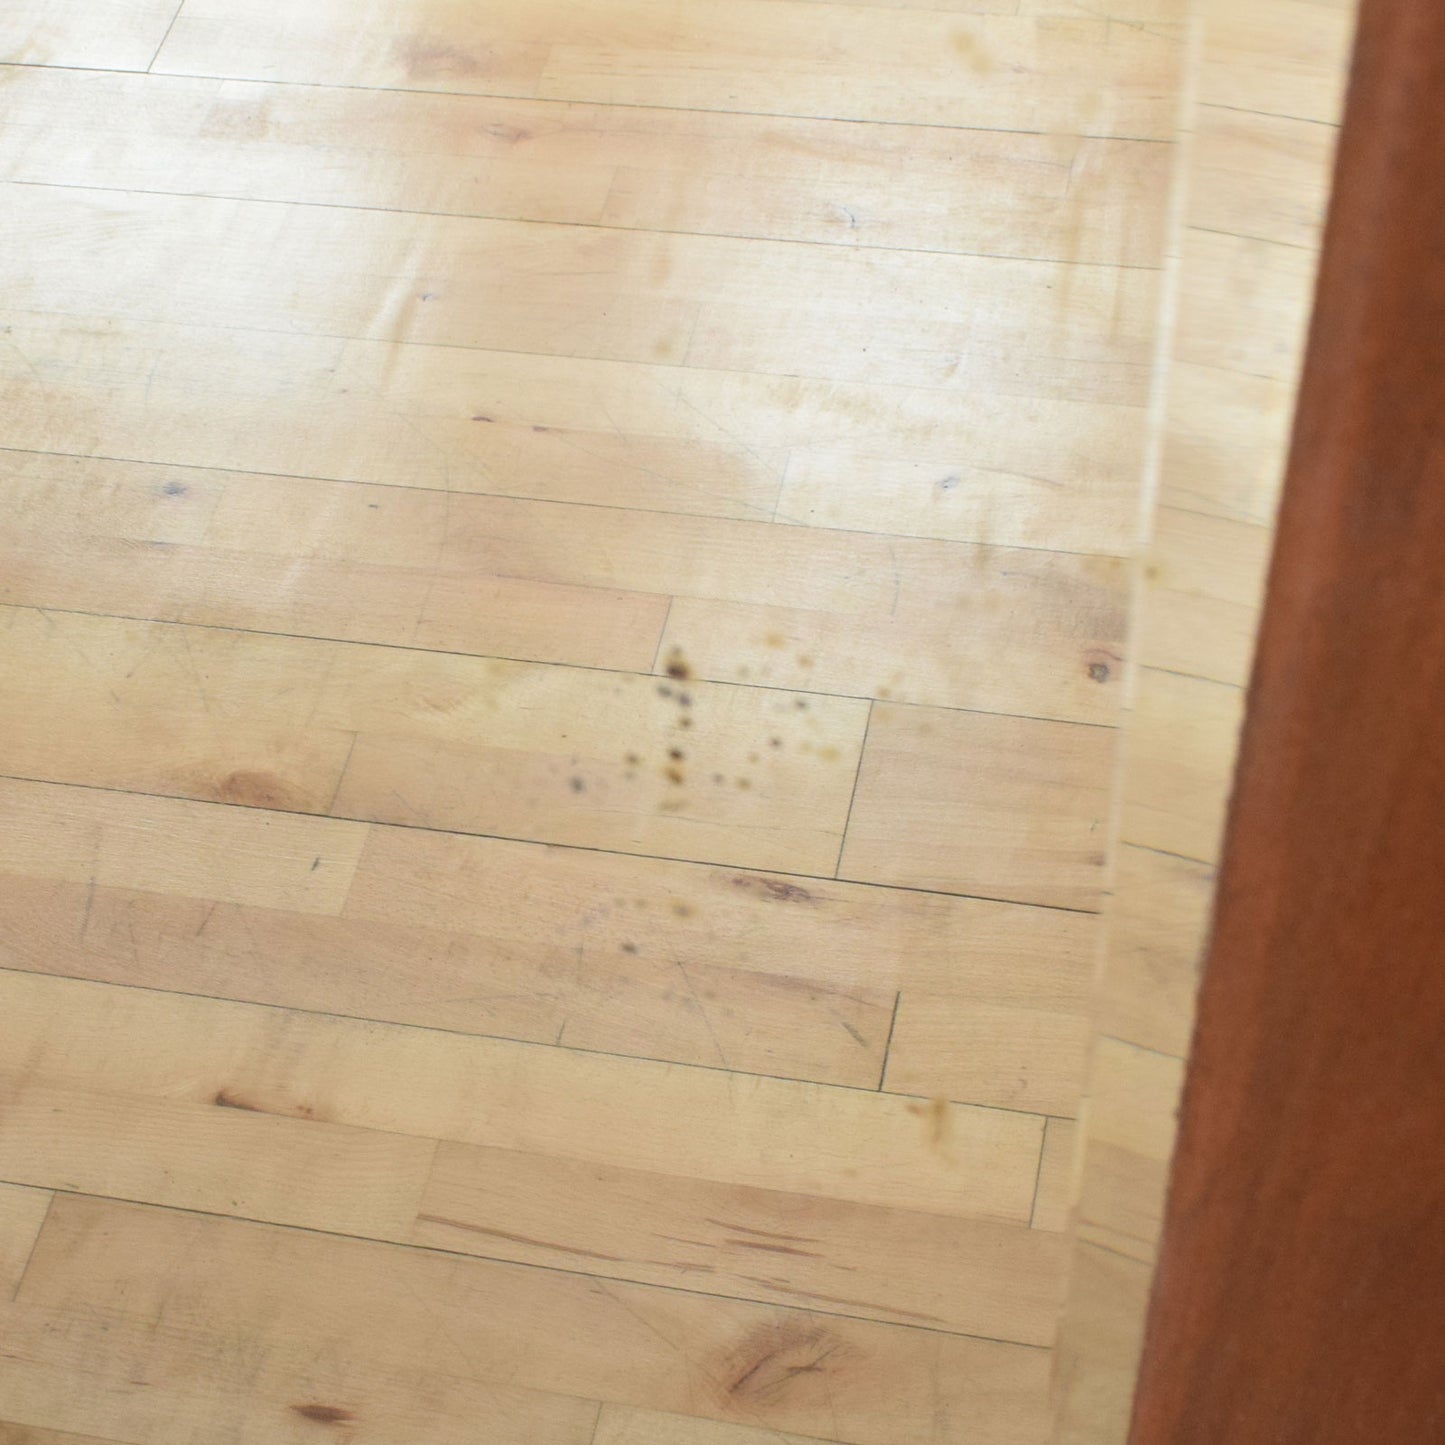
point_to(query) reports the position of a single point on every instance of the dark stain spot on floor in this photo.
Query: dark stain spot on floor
(634, 759)
(684, 722)
(719, 778)
(778, 888)
(629, 948)
(676, 754)
(1099, 671)
(948, 483)
(426, 58)
(681, 909)
(578, 785)
(674, 775)
(480, 417)
(542, 428)
(800, 703)
(315, 864)
(677, 665)
(684, 699)
(254, 790)
(175, 489)
(663, 690)
(323, 1414)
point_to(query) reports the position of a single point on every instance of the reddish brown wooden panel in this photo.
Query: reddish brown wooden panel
(1301, 1294)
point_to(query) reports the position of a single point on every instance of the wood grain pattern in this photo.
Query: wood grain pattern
(743, 602)
(1301, 1273)
(1055, 197)
(713, 302)
(507, 503)
(477, 1330)
(939, 807)
(948, 1159)
(1043, 73)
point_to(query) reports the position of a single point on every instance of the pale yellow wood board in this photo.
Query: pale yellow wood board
(787, 607)
(995, 71)
(971, 803)
(368, 1325)
(992, 1280)
(1028, 328)
(1049, 197)
(837, 1143)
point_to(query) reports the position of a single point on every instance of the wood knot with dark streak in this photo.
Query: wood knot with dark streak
(324, 1414)
(774, 1358)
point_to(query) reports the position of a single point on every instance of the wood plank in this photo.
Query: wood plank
(1225, 441)
(432, 739)
(1043, 197)
(1133, 1097)
(1182, 749)
(101, 34)
(1286, 59)
(1205, 581)
(1015, 1058)
(564, 429)
(971, 803)
(22, 1212)
(845, 1144)
(215, 1154)
(782, 976)
(124, 843)
(994, 71)
(1158, 928)
(1108, 1303)
(1230, 277)
(363, 1314)
(794, 607)
(1263, 176)
(992, 1280)
(1068, 332)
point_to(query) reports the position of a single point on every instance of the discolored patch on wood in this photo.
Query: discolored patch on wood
(426, 58)
(776, 1361)
(778, 888)
(324, 1414)
(256, 790)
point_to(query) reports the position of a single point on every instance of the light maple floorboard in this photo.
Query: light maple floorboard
(1033, 196)
(563, 600)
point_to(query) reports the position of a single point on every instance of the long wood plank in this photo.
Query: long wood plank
(749, 971)
(998, 469)
(995, 1280)
(792, 607)
(1045, 197)
(617, 760)
(1079, 75)
(1069, 332)
(347, 1323)
(970, 803)
(835, 1143)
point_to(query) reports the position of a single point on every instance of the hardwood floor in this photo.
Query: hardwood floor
(564, 600)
